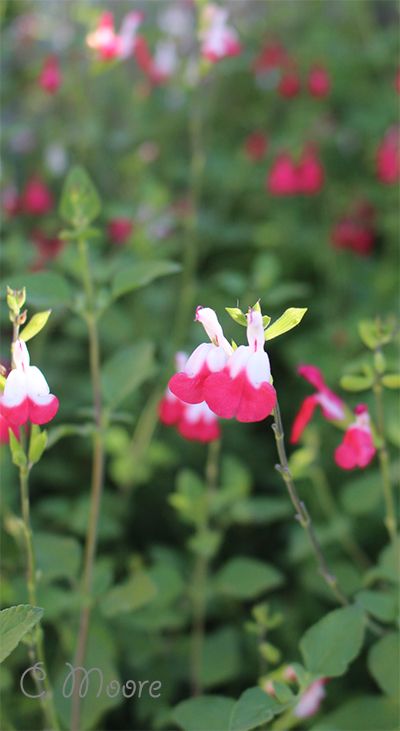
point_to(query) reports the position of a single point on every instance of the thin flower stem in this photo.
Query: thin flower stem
(200, 576)
(302, 514)
(37, 650)
(390, 518)
(97, 477)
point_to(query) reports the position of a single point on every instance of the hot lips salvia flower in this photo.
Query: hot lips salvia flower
(26, 396)
(357, 448)
(332, 406)
(233, 383)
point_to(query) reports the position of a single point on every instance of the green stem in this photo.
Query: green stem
(302, 514)
(97, 477)
(199, 590)
(390, 518)
(37, 650)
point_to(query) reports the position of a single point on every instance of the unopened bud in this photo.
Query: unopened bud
(22, 317)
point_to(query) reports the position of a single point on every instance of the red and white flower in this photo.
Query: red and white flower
(207, 358)
(195, 422)
(36, 199)
(219, 40)
(319, 83)
(242, 389)
(332, 406)
(357, 448)
(26, 394)
(311, 699)
(111, 45)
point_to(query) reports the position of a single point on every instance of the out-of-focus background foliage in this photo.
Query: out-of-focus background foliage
(145, 147)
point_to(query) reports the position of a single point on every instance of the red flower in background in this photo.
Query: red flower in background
(36, 198)
(110, 45)
(397, 81)
(357, 448)
(255, 146)
(356, 231)
(50, 75)
(388, 158)
(289, 84)
(287, 178)
(319, 83)
(119, 230)
(48, 248)
(331, 405)
(282, 177)
(273, 55)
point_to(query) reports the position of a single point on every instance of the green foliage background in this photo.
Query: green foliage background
(247, 246)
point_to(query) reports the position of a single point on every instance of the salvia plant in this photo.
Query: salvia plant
(198, 379)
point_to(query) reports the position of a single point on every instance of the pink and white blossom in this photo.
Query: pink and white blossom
(311, 699)
(332, 406)
(26, 394)
(218, 39)
(357, 448)
(109, 44)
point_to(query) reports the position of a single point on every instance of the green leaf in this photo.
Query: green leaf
(44, 289)
(361, 495)
(80, 202)
(205, 543)
(189, 498)
(221, 660)
(368, 333)
(18, 455)
(260, 510)
(129, 595)
(246, 578)
(391, 380)
(254, 707)
(127, 370)
(387, 568)
(365, 713)
(35, 325)
(15, 622)
(356, 383)
(37, 444)
(330, 645)
(56, 556)
(290, 319)
(139, 274)
(383, 663)
(211, 712)
(378, 603)
(237, 315)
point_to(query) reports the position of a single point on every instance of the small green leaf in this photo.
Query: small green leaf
(211, 712)
(237, 315)
(254, 707)
(205, 543)
(391, 380)
(129, 595)
(140, 274)
(80, 202)
(246, 578)
(18, 455)
(368, 333)
(378, 603)
(383, 663)
(290, 319)
(37, 444)
(330, 645)
(15, 622)
(356, 383)
(35, 325)
(127, 370)
(364, 713)
(266, 320)
(221, 661)
(56, 556)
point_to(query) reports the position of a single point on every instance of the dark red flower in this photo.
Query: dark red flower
(36, 198)
(50, 75)
(256, 146)
(119, 230)
(289, 85)
(319, 83)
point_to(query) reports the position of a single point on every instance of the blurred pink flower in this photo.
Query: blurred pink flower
(289, 84)
(319, 83)
(388, 158)
(36, 198)
(357, 448)
(218, 39)
(110, 45)
(331, 405)
(311, 699)
(11, 201)
(50, 75)
(119, 230)
(255, 146)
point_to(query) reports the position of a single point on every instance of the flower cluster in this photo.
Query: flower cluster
(388, 158)
(286, 177)
(356, 230)
(26, 396)
(195, 422)
(357, 448)
(218, 39)
(274, 59)
(234, 383)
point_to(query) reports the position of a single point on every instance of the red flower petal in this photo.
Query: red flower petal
(16, 415)
(303, 417)
(237, 397)
(41, 413)
(189, 389)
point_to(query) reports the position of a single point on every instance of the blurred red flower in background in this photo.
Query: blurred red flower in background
(50, 75)
(119, 230)
(288, 178)
(255, 146)
(289, 85)
(36, 198)
(388, 158)
(356, 230)
(319, 83)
